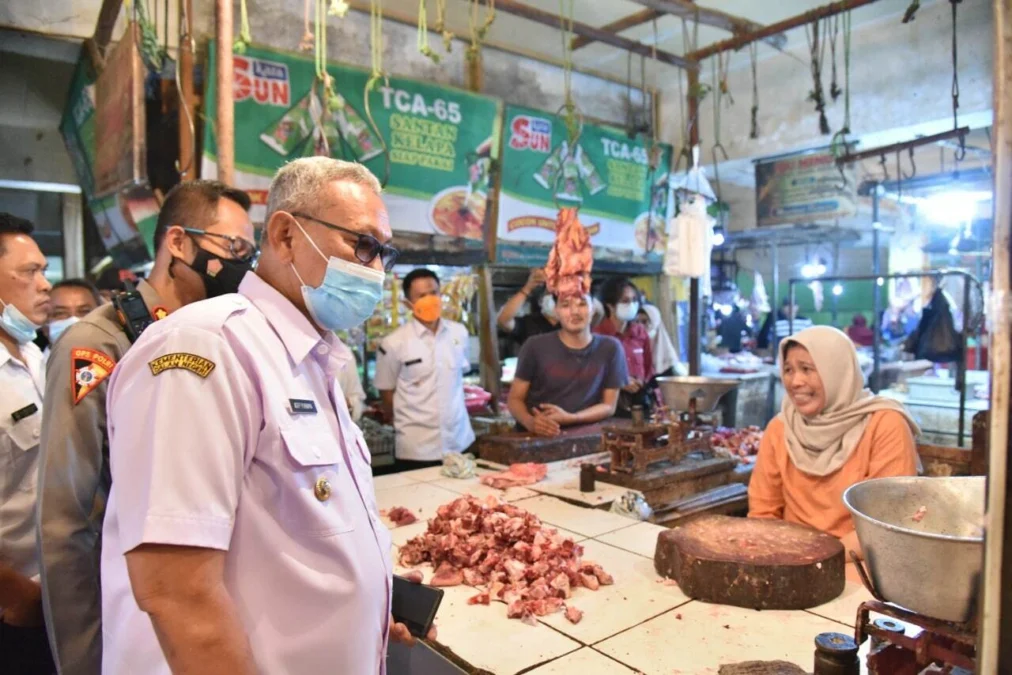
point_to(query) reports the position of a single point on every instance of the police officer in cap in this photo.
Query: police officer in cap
(203, 248)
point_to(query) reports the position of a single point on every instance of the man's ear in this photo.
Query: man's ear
(279, 232)
(178, 243)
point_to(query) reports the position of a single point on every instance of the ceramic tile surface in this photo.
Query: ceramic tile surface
(640, 538)
(471, 486)
(698, 638)
(580, 519)
(424, 475)
(844, 607)
(565, 483)
(485, 638)
(392, 480)
(583, 662)
(421, 499)
(634, 598)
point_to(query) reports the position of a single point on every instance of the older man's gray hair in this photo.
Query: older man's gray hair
(297, 186)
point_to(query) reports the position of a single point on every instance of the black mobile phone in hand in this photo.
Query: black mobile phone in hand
(415, 605)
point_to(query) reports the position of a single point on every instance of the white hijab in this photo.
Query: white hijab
(665, 355)
(822, 444)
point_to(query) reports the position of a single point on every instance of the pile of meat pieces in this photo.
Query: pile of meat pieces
(571, 259)
(518, 474)
(739, 444)
(507, 552)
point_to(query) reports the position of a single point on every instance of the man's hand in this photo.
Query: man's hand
(633, 387)
(400, 633)
(27, 612)
(557, 414)
(536, 278)
(545, 425)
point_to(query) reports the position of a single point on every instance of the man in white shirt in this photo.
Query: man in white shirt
(419, 373)
(24, 299)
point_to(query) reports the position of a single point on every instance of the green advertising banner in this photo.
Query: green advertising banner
(126, 219)
(622, 201)
(441, 140)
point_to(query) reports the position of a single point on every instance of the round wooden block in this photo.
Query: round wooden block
(747, 562)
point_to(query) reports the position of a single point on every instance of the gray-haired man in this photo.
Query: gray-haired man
(242, 519)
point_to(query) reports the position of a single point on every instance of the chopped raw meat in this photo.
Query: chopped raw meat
(573, 615)
(516, 475)
(919, 515)
(529, 567)
(414, 576)
(480, 599)
(447, 575)
(400, 516)
(739, 444)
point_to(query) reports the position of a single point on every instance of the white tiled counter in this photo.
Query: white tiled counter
(637, 625)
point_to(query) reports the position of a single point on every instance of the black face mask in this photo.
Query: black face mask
(220, 275)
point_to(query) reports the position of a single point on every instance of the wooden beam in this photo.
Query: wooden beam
(687, 9)
(695, 292)
(106, 23)
(739, 41)
(555, 21)
(625, 23)
(225, 108)
(187, 98)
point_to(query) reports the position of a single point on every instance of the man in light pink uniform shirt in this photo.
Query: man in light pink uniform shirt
(242, 533)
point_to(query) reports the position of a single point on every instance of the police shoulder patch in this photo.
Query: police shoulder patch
(182, 361)
(88, 369)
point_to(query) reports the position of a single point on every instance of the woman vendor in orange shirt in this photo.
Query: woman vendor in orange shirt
(830, 434)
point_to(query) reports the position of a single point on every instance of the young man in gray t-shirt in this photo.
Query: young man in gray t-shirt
(568, 377)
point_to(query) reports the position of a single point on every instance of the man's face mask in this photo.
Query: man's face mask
(220, 275)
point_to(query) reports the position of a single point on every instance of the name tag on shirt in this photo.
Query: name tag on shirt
(413, 363)
(302, 406)
(27, 411)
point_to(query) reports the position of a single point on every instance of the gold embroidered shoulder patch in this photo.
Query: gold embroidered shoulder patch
(182, 361)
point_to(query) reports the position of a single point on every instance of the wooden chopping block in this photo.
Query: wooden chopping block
(748, 562)
(518, 447)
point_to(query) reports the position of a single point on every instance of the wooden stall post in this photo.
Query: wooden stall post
(996, 624)
(225, 113)
(695, 301)
(487, 334)
(187, 100)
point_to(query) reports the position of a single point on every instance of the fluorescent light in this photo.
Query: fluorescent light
(952, 208)
(880, 281)
(837, 289)
(718, 237)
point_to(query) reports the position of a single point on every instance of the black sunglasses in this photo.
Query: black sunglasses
(367, 247)
(241, 249)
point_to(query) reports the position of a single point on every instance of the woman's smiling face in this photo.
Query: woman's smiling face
(802, 381)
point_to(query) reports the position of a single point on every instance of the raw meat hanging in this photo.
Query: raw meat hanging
(516, 475)
(571, 258)
(508, 555)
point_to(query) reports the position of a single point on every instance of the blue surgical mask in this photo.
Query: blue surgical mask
(17, 325)
(59, 326)
(346, 297)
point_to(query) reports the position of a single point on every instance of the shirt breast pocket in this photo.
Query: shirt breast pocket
(311, 502)
(24, 435)
(416, 370)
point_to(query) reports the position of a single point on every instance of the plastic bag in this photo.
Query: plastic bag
(632, 505)
(458, 465)
(935, 338)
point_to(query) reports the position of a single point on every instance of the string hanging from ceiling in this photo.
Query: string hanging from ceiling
(817, 51)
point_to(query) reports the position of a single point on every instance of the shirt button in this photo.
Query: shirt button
(35, 433)
(322, 349)
(322, 489)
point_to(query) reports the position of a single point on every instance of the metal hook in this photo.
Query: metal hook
(960, 154)
(885, 168)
